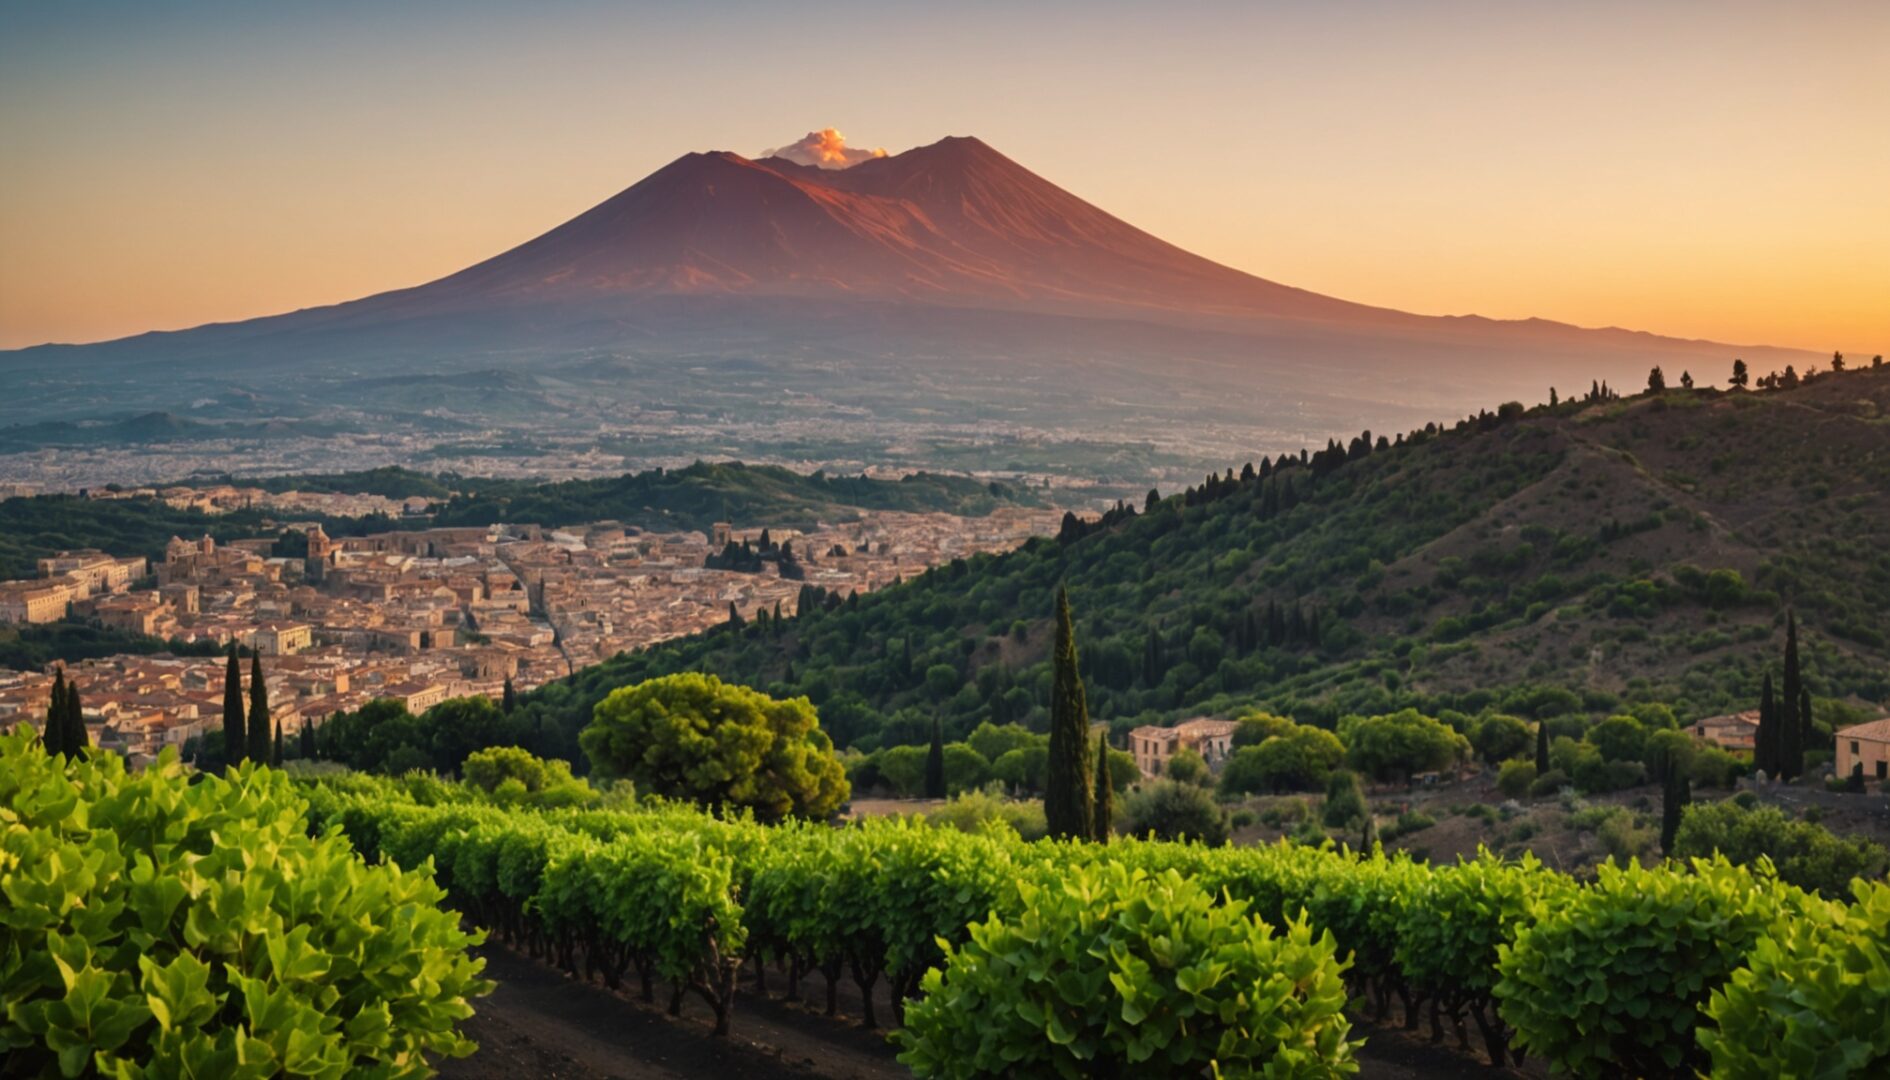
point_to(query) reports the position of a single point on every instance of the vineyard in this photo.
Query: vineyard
(1156, 959)
(165, 923)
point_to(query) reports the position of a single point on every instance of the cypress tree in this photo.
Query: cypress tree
(509, 699)
(1807, 732)
(258, 712)
(1542, 748)
(1790, 743)
(235, 732)
(307, 740)
(935, 764)
(275, 748)
(1675, 794)
(77, 740)
(53, 734)
(1765, 740)
(1105, 812)
(1067, 795)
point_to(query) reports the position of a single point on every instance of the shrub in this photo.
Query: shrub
(1712, 766)
(1609, 979)
(163, 923)
(1549, 783)
(1515, 777)
(1187, 767)
(1619, 738)
(1171, 810)
(1813, 998)
(969, 811)
(1408, 822)
(1104, 964)
(1807, 855)
(1345, 801)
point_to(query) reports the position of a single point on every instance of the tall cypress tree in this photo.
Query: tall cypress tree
(1807, 731)
(77, 739)
(935, 764)
(307, 740)
(275, 748)
(258, 711)
(1067, 791)
(1674, 797)
(1104, 814)
(235, 732)
(1765, 740)
(1791, 740)
(1542, 748)
(53, 734)
(509, 699)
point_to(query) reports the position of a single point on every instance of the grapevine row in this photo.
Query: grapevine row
(1534, 960)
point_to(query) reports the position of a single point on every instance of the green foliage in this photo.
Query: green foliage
(1298, 759)
(382, 736)
(1345, 804)
(1252, 729)
(1068, 797)
(32, 646)
(160, 924)
(1401, 744)
(1186, 766)
(512, 776)
(1457, 920)
(1515, 778)
(1499, 738)
(1619, 738)
(1807, 855)
(1812, 999)
(1147, 972)
(970, 811)
(1188, 607)
(695, 737)
(1609, 979)
(704, 493)
(1172, 810)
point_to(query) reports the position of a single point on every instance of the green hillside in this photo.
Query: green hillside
(661, 499)
(1562, 560)
(701, 494)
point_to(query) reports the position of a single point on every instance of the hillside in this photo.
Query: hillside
(659, 499)
(1560, 560)
(701, 494)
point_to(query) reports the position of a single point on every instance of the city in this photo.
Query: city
(424, 615)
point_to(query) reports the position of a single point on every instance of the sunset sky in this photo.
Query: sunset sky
(1716, 170)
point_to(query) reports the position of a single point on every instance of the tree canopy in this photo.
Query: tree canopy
(692, 736)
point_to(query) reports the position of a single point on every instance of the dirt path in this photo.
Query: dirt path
(539, 1023)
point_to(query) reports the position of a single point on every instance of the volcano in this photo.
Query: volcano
(947, 285)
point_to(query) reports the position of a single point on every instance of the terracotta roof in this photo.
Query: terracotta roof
(1874, 731)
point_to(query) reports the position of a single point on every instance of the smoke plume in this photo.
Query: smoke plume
(826, 149)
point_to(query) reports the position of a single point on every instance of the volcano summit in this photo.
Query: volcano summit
(940, 306)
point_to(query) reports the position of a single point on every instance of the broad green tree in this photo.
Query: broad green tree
(692, 736)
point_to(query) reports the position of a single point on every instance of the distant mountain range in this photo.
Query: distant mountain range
(946, 287)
